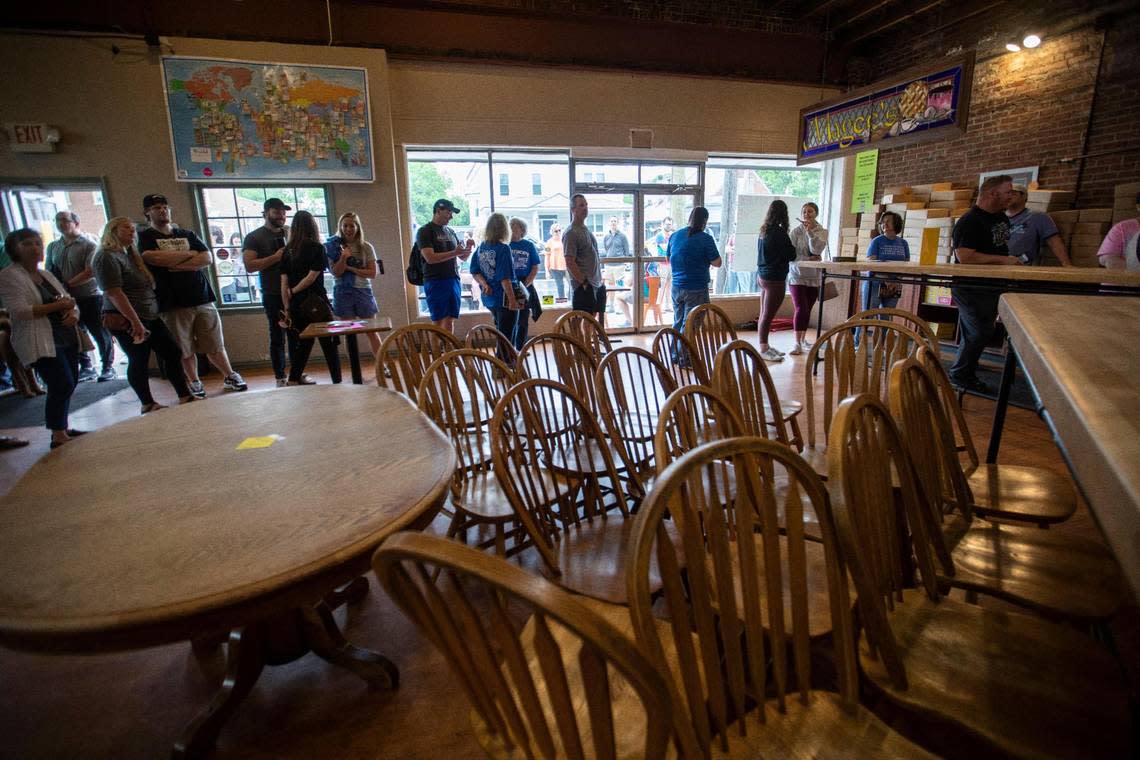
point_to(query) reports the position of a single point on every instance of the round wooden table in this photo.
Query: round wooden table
(182, 524)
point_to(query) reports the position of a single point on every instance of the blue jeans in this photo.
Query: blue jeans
(60, 373)
(977, 319)
(684, 301)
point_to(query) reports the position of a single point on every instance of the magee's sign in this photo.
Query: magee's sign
(919, 105)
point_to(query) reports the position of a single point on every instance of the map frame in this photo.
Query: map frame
(186, 170)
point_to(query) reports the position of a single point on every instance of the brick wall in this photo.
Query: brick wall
(1032, 109)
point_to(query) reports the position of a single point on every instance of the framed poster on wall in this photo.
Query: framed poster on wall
(928, 103)
(1026, 175)
(247, 121)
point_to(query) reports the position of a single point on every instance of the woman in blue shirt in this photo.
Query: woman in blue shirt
(492, 267)
(882, 293)
(691, 252)
(526, 263)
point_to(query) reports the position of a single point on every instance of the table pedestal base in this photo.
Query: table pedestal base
(277, 641)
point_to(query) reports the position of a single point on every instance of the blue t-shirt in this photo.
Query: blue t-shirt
(883, 248)
(495, 262)
(1028, 230)
(525, 257)
(690, 257)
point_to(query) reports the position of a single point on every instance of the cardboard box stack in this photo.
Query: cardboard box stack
(1049, 200)
(1087, 234)
(1124, 202)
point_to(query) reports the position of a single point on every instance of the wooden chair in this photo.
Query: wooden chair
(564, 684)
(693, 415)
(1009, 683)
(677, 352)
(548, 450)
(488, 339)
(909, 319)
(564, 358)
(736, 638)
(407, 352)
(631, 387)
(708, 328)
(1003, 491)
(740, 374)
(849, 370)
(459, 392)
(1058, 576)
(589, 331)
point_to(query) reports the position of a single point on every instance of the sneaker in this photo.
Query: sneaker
(282, 382)
(196, 389)
(87, 374)
(797, 349)
(234, 382)
(772, 355)
(107, 374)
(805, 345)
(305, 380)
(973, 385)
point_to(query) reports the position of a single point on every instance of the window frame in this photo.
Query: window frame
(204, 220)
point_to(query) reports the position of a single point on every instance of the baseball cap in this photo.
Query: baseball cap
(275, 203)
(1019, 188)
(154, 200)
(445, 203)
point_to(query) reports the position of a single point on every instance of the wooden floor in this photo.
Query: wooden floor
(135, 704)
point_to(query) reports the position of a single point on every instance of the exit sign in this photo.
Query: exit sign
(31, 138)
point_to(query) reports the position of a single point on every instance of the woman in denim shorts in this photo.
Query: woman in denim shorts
(352, 261)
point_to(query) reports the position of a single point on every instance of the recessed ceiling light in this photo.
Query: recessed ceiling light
(1031, 41)
(1012, 47)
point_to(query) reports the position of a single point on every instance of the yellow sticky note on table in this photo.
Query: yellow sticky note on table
(258, 442)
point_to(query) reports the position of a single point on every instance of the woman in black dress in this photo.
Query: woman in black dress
(304, 295)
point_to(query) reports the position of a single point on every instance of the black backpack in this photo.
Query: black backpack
(416, 264)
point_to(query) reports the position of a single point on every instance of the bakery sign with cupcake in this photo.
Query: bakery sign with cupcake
(921, 104)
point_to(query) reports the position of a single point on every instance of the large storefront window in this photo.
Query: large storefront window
(738, 192)
(37, 206)
(532, 186)
(231, 213)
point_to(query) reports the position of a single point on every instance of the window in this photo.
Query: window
(465, 177)
(37, 206)
(738, 192)
(231, 213)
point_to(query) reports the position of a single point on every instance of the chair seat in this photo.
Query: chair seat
(788, 409)
(819, 729)
(1032, 494)
(481, 496)
(584, 457)
(592, 558)
(1024, 686)
(1056, 575)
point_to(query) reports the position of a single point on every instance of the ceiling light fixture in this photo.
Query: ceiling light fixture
(1012, 47)
(1031, 40)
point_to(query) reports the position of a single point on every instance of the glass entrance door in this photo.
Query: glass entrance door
(661, 215)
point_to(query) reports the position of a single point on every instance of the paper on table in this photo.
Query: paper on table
(259, 442)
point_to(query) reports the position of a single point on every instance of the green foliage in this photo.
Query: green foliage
(427, 185)
(798, 183)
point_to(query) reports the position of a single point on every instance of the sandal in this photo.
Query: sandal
(152, 406)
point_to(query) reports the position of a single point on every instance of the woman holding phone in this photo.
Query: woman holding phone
(810, 240)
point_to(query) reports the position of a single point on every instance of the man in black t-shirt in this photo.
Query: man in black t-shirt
(178, 259)
(262, 250)
(442, 251)
(980, 237)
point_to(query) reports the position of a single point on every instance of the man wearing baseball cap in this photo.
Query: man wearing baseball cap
(441, 250)
(262, 250)
(178, 259)
(1029, 229)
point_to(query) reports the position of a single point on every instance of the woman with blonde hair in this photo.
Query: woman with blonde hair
(353, 262)
(130, 312)
(493, 268)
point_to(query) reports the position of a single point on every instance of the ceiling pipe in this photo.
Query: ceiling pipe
(880, 28)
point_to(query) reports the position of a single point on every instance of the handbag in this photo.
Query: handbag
(314, 307)
(830, 290)
(116, 322)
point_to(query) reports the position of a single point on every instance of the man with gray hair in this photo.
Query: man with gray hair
(580, 247)
(69, 258)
